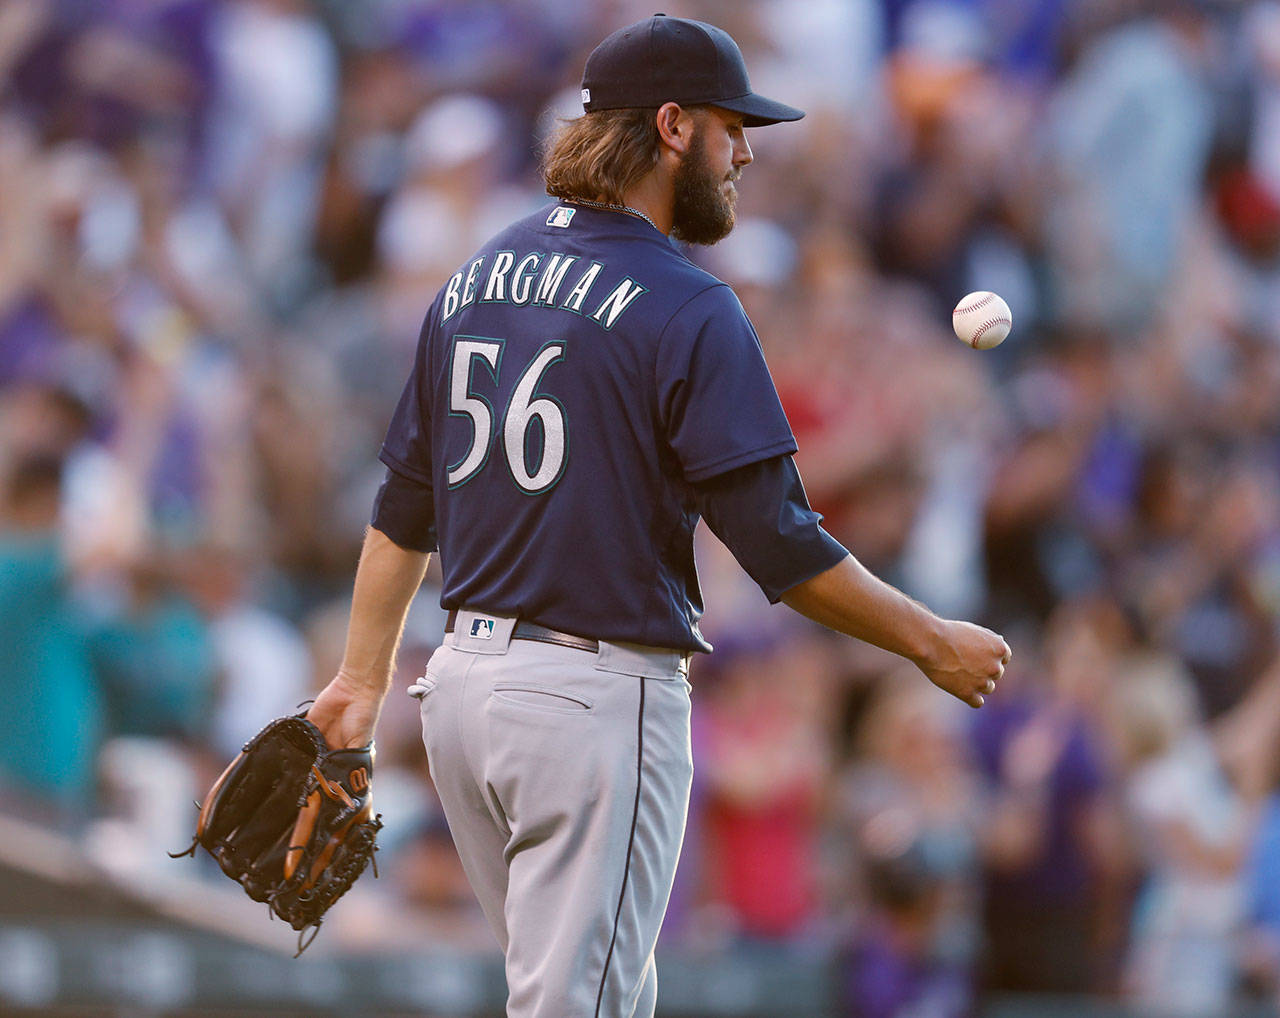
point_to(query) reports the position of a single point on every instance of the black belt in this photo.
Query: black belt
(540, 634)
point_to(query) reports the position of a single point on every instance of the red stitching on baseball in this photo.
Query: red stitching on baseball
(974, 306)
(977, 335)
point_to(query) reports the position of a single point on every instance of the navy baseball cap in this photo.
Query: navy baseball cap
(663, 59)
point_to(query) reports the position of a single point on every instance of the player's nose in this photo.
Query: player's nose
(741, 151)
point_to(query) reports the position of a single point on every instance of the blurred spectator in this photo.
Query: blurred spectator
(1039, 544)
(155, 660)
(1261, 32)
(1137, 102)
(1191, 828)
(908, 820)
(278, 82)
(46, 679)
(1054, 850)
(763, 766)
(894, 969)
(451, 200)
(1260, 961)
(430, 873)
(1195, 580)
(262, 662)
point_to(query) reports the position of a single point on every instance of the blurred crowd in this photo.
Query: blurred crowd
(222, 220)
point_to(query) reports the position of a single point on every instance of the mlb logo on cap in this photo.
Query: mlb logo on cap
(482, 629)
(561, 216)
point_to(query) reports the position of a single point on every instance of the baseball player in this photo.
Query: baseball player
(581, 395)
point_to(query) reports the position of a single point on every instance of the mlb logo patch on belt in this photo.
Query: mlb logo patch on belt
(482, 629)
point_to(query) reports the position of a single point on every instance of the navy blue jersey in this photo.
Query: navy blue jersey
(573, 382)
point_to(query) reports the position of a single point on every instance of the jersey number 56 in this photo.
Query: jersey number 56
(525, 406)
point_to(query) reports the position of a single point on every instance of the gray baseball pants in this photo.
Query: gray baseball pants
(564, 776)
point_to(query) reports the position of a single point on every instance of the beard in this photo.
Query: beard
(703, 213)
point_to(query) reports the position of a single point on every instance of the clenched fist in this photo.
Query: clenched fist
(966, 661)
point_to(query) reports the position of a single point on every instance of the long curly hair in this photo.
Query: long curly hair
(600, 155)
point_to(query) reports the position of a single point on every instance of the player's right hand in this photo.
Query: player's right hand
(966, 661)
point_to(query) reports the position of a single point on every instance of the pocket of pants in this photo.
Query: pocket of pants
(540, 698)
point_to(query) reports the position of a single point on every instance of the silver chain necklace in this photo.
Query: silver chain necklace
(616, 208)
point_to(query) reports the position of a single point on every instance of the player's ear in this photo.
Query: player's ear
(675, 127)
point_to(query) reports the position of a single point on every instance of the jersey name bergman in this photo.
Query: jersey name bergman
(539, 279)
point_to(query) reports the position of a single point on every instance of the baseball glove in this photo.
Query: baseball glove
(292, 821)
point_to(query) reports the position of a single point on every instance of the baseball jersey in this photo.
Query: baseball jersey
(574, 383)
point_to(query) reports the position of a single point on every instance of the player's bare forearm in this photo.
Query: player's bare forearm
(850, 599)
(959, 657)
(387, 579)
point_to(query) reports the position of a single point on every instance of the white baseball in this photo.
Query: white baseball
(982, 319)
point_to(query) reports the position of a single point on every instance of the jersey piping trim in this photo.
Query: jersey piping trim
(631, 840)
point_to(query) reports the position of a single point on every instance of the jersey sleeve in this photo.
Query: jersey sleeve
(717, 401)
(405, 511)
(762, 515)
(407, 446)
